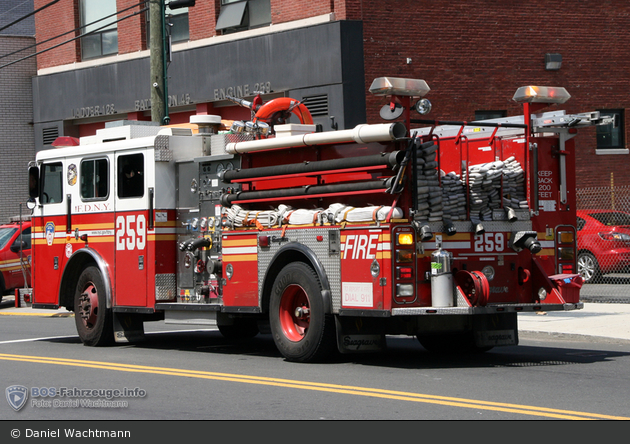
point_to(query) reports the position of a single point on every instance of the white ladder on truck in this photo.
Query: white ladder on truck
(488, 127)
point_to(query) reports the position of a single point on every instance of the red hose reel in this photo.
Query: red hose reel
(474, 285)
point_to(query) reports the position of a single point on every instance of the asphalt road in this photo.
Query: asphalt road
(199, 375)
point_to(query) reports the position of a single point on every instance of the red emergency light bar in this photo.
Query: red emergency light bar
(66, 141)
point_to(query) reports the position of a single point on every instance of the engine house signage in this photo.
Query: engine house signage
(93, 111)
(138, 105)
(173, 100)
(242, 90)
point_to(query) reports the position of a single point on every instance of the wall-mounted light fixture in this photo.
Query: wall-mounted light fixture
(553, 62)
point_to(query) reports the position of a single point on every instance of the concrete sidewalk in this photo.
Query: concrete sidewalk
(605, 320)
(595, 319)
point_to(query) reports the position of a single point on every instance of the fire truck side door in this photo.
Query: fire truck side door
(49, 221)
(131, 223)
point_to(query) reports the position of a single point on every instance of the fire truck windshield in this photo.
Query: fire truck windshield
(5, 236)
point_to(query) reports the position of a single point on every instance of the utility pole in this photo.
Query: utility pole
(158, 63)
(157, 42)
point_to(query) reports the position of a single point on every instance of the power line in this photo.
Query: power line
(28, 15)
(75, 38)
(73, 30)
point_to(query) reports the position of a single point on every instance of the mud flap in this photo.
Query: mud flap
(351, 338)
(128, 328)
(493, 330)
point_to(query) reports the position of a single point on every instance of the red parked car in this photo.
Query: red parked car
(15, 265)
(603, 240)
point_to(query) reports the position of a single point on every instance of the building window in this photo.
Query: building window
(611, 136)
(100, 32)
(238, 15)
(94, 179)
(490, 114)
(177, 25)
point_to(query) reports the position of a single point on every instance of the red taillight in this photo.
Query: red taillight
(404, 272)
(404, 255)
(612, 236)
(565, 250)
(263, 241)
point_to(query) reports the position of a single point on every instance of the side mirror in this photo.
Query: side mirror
(30, 203)
(17, 246)
(33, 182)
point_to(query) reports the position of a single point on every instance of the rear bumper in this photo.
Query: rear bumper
(616, 260)
(488, 309)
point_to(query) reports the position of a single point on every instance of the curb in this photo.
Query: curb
(606, 299)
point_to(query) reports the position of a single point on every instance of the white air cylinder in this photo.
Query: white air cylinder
(441, 278)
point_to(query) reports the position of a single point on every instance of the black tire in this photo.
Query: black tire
(2, 287)
(301, 329)
(588, 267)
(451, 343)
(92, 317)
(240, 329)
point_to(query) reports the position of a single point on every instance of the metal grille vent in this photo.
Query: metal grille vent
(317, 105)
(49, 135)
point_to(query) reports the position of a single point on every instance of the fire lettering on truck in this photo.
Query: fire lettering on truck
(545, 180)
(489, 243)
(87, 208)
(360, 246)
(131, 232)
(545, 193)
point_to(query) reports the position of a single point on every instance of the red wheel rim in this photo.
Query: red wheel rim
(295, 313)
(88, 305)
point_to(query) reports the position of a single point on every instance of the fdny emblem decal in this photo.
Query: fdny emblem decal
(50, 233)
(72, 174)
(16, 396)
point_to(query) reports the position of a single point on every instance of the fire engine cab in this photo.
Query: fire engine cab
(328, 240)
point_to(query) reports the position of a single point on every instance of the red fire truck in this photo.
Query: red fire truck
(330, 241)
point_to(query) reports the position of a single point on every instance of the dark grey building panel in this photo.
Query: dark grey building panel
(16, 126)
(326, 58)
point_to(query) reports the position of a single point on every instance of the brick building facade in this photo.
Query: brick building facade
(474, 54)
(16, 126)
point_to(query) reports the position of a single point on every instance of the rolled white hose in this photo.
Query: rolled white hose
(238, 217)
